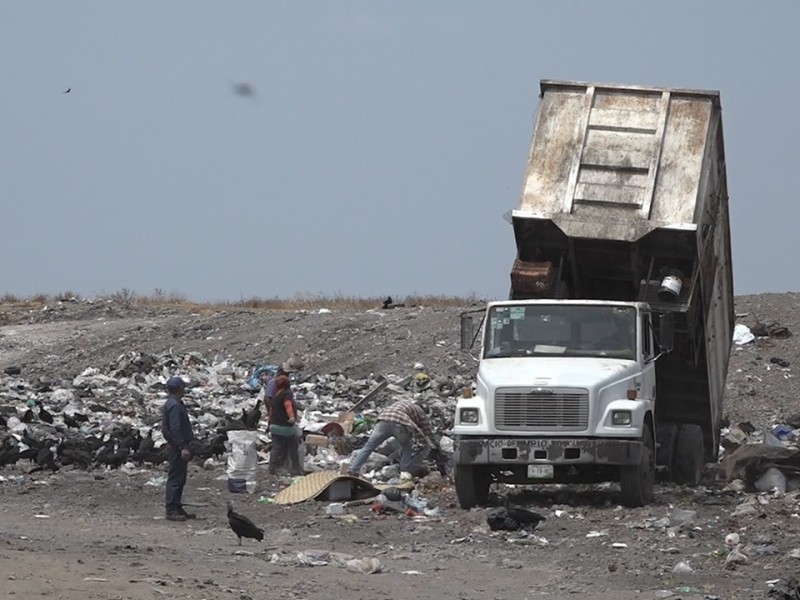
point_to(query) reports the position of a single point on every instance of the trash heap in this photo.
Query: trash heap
(111, 417)
(762, 458)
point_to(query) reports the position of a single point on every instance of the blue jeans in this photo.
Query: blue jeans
(176, 479)
(382, 432)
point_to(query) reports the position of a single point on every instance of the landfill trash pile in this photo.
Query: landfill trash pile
(98, 371)
(111, 417)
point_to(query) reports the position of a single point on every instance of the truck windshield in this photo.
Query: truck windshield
(558, 329)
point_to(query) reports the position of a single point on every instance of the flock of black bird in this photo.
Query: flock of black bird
(52, 443)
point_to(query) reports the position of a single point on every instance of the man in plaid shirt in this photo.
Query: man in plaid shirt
(402, 421)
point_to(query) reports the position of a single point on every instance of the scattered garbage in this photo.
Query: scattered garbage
(108, 417)
(334, 509)
(242, 461)
(736, 557)
(682, 517)
(683, 567)
(366, 566)
(785, 589)
(512, 518)
(742, 334)
(732, 540)
(772, 480)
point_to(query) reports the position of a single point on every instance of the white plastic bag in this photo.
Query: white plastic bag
(242, 461)
(772, 479)
(742, 334)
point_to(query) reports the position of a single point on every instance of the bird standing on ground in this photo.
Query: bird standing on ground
(242, 526)
(512, 518)
(252, 417)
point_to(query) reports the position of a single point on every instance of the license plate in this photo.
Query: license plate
(540, 471)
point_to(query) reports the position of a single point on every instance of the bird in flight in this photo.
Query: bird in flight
(244, 89)
(67, 91)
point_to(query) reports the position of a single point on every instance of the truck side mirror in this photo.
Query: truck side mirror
(666, 331)
(467, 331)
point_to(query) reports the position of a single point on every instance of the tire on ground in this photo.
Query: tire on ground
(689, 455)
(472, 485)
(637, 481)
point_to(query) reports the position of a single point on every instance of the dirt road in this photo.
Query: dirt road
(77, 535)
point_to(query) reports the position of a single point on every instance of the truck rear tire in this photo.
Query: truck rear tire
(666, 435)
(689, 455)
(637, 482)
(472, 485)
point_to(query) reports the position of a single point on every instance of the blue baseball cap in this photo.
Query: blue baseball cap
(176, 383)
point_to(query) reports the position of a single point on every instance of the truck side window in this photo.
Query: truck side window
(648, 335)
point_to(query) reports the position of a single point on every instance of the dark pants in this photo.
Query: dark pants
(284, 446)
(176, 479)
(383, 431)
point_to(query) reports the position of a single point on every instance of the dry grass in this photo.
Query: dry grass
(128, 298)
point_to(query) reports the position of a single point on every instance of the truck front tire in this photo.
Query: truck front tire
(689, 455)
(637, 482)
(472, 485)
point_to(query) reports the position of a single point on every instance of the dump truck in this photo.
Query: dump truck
(608, 361)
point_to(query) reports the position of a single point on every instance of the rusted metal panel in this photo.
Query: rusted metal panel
(533, 278)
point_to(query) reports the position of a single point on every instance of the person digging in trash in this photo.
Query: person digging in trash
(282, 420)
(272, 385)
(402, 421)
(178, 433)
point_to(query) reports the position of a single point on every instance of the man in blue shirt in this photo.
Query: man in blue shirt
(178, 433)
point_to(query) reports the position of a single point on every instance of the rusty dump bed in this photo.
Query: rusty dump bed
(624, 186)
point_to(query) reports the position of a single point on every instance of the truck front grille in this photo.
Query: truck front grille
(541, 409)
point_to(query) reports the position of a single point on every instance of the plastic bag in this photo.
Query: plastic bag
(772, 479)
(742, 334)
(242, 461)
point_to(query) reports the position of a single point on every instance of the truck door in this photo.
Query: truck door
(648, 353)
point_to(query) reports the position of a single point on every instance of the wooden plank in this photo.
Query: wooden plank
(370, 395)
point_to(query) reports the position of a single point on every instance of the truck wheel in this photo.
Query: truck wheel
(472, 485)
(689, 453)
(666, 434)
(637, 481)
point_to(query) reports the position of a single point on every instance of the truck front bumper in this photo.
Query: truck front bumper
(552, 451)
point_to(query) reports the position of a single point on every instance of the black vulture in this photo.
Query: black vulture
(512, 518)
(252, 417)
(242, 526)
(45, 415)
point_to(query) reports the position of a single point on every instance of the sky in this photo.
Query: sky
(224, 151)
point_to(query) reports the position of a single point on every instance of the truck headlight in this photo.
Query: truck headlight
(621, 417)
(469, 415)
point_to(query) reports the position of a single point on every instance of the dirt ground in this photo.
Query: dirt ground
(101, 534)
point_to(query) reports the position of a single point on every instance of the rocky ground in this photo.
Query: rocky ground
(100, 533)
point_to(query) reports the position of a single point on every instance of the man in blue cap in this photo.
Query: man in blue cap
(177, 431)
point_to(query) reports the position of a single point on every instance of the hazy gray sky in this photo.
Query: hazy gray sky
(378, 153)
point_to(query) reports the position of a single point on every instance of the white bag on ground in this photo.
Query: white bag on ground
(242, 461)
(772, 479)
